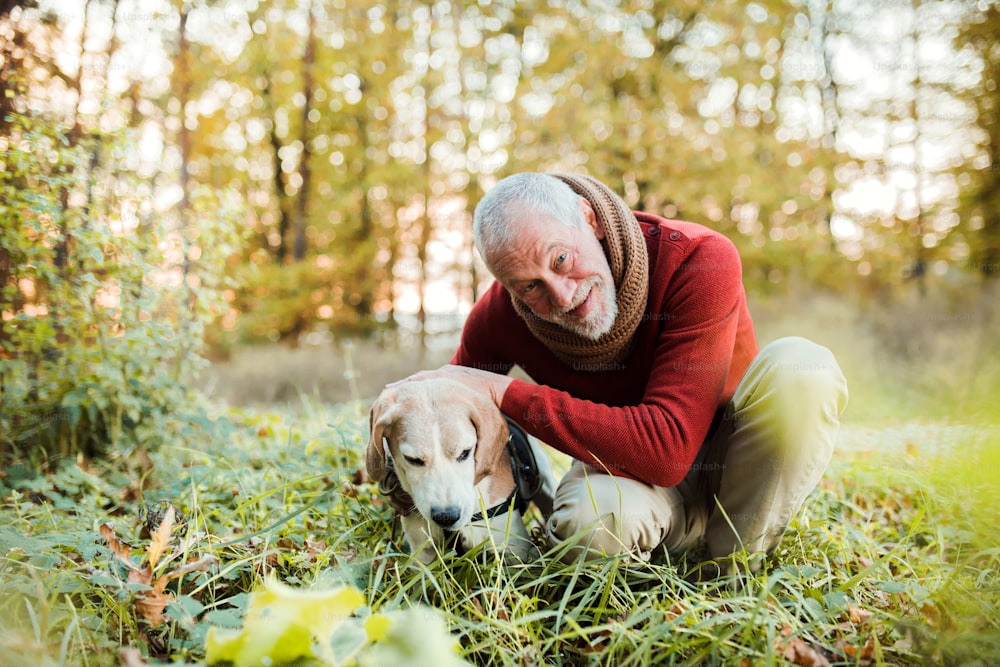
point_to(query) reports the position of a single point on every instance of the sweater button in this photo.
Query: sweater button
(654, 231)
(675, 236)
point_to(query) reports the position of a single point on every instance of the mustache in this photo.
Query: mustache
(579, 297)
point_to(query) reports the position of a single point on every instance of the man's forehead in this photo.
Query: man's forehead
(530, 250)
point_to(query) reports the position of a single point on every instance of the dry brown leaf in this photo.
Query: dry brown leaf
(933, 615)
(160, 539)
(150, 605)
(315, 548)
(497, 604)
(121, 550)
(797, 651)
(858, 615)
(676, 610)
(143, 576)
(201, 565)
(862, 656)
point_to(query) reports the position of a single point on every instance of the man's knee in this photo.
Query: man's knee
(799, 369)
(589, 514)
(795, 385)
(600, 514)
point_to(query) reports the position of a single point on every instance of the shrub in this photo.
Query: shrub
(103, 298)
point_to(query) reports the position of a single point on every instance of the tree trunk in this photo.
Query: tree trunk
(426, 230)
(284, 219)
(308, 61)
(918, 270)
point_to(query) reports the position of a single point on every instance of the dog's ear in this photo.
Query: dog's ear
(491, 432)
(379, 418)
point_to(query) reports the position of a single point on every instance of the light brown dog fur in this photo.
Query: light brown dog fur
(445, 445)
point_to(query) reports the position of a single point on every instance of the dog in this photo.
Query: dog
(447, 460)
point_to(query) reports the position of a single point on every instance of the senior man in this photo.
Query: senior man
(636, 332)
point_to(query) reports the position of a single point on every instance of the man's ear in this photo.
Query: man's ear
(587, 211)
(491, 433)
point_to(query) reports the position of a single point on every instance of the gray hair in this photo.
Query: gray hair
(494, 222)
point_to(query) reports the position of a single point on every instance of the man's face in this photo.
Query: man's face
(561, 273)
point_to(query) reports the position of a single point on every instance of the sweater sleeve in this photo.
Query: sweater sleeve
(657, 440)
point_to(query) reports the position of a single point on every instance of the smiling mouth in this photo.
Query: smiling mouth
(575, 312)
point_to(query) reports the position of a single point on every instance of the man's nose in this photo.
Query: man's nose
(561, 292)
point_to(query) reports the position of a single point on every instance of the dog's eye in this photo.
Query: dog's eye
(464, 455)
(414, 461)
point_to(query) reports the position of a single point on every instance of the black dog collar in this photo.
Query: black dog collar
(527, 481)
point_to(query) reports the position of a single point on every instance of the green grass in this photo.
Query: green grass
(895, 561)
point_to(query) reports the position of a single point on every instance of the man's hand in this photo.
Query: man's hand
(490, 384)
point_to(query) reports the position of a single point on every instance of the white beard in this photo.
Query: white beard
(599, 321)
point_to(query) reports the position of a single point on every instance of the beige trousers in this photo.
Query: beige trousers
(751, 476)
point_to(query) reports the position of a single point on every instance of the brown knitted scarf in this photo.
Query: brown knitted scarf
(626, 251)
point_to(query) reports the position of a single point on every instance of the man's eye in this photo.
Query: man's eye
(563, 256)
(464, 455)
(414, 461)
(530, 286)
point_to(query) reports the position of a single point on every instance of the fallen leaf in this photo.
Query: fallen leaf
(858, 615)
(282, 625)
(797, 651)
(151, 604)
(677, 609)
(862, 656)
(315, 547)
(203, 564)
(121, 551)
(160, 539)
(478, 605)
(497, 605)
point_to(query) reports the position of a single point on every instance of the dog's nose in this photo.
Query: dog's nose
(445, 516)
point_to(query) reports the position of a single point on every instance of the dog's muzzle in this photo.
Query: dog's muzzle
(527, 481)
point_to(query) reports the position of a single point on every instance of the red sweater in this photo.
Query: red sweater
(647, 416)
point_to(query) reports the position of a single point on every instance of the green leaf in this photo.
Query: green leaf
(185, 608)
(892, 586)
(225, 618)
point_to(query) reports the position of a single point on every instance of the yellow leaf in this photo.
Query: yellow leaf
(417, 635)
(377, 626)
(284, 624)
(160, 539)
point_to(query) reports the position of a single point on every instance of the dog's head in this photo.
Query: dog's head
(439, 439)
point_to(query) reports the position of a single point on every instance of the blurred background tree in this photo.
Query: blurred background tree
(846, 147)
